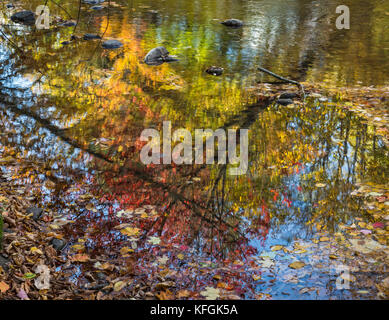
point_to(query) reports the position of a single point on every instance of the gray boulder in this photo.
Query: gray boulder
(157, 56)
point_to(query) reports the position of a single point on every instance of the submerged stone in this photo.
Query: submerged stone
(25, 17)
(234, 23)
(112, 44)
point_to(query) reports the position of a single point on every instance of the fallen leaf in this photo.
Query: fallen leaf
(297, 265)
(210, 293)
(183, 294)
(119, 286)
(80, 258)
(129, 231)
(154, 240)
(3, 287)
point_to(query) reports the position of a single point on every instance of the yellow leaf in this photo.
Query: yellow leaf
(119, 286)
(130, 231)
(36, 250)
(297, 265)
(125, 250)
(323, 239)
(276, 248)
(78, 247)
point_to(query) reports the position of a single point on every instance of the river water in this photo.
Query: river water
(77, 110)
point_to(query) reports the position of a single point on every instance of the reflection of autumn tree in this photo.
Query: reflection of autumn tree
(99, 103)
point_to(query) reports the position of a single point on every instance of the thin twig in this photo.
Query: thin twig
(284, 79)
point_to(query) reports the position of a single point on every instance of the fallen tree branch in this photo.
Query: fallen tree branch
(284, 80)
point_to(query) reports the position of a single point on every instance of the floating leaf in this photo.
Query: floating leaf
(320, 185)
(297, 265)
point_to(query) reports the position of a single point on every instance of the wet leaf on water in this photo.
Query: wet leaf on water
(320, 185)
(256, 277)
(297, 265)
(276, 248)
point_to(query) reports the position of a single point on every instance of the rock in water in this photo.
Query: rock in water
(89, 36)
(215, 71)
(157, 56)
(233, 23)
(288, 95)
(285, 102)
(112, 44)
(36, 212)
(24, 17)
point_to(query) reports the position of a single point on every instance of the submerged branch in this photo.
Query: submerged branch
(284, 79)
